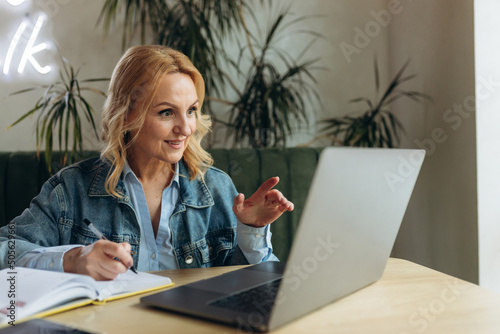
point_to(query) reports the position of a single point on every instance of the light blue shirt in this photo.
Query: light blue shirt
(157, 253)
(154, 253)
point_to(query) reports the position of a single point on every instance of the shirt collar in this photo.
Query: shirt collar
(128, 172)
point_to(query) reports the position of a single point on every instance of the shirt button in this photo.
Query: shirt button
(188, 259)
(153, 256)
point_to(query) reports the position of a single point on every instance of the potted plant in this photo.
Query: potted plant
(60, 112)
(377, 125)
(273, 94)
(276, 87)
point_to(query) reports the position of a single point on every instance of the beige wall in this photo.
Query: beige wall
(487, 46)
(440, 228)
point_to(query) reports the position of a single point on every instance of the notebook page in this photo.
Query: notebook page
(25, 291)
(129, 282)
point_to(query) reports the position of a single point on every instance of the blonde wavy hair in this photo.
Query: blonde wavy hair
(133, 84)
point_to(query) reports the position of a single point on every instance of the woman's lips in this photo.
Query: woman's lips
(175, 143)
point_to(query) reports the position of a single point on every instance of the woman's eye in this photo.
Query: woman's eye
(166, 112)
(191, 112)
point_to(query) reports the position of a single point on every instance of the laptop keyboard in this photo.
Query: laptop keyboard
(259, 299)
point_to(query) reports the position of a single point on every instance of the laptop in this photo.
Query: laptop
(355, 205)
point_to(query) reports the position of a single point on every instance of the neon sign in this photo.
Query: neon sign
(15, 2)
(24, 42)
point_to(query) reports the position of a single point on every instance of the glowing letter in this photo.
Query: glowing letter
(15, 2)
(31, 50)
(12, 47)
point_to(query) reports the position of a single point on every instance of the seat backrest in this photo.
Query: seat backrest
(22, 175)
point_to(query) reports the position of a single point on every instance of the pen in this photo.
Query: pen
(100, 235)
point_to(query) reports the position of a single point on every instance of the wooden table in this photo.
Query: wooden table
(408, 299)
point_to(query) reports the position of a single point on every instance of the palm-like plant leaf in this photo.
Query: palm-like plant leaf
(272, 99)
(139, 15)
(377, 126)
(59, 115)
(194, 27)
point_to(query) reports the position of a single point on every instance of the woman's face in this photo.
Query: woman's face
(169, 122)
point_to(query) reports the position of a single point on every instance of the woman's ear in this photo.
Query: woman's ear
(125, 117)
(126, 137)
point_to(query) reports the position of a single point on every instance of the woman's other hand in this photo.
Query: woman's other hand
(263, 207)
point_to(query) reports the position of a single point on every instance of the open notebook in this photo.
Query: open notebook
(26, 292)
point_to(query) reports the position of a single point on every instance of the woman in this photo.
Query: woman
(153, 192)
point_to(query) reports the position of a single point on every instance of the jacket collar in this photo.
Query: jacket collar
(97, 186)
(193, 193)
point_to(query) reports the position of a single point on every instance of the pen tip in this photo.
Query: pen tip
(86, 221)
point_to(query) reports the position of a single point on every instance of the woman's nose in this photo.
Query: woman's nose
(182, 126)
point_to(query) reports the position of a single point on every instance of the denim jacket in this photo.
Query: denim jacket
(203, 225)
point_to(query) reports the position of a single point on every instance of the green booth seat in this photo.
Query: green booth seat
(22, 175)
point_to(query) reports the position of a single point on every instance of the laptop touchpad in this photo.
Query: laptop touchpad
(235, 281)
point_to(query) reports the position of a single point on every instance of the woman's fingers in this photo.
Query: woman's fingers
(98, 260)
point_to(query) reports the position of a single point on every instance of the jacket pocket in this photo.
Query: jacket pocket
(73, 234)
(211, 251)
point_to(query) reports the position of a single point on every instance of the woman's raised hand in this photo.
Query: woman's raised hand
(263, 207)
